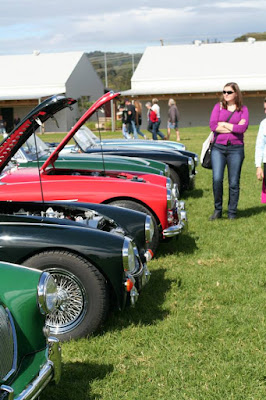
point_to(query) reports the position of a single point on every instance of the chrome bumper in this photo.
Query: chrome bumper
(175, 230)
(50, 371)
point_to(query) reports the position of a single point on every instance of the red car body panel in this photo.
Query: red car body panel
(23, 184)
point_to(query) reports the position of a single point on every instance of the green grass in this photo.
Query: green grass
(198, 329)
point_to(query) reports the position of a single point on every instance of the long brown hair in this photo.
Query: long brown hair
(238, 98)
(138, 106)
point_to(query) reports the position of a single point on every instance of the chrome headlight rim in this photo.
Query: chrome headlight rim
(128, 255)
(171, 200)
(169, 183)
(149, 229)
(167, 171)
(47, 293)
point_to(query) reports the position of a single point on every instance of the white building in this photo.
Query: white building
(194, 75)
(26, 80)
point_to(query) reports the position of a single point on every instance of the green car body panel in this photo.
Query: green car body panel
(25, 348)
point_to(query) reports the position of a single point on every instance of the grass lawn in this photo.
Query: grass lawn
(198, 329)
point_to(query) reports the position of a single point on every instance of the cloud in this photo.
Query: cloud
(108, 26)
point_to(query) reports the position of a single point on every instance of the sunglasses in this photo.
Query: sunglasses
(228, 92)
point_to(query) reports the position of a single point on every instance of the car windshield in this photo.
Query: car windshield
(29, 152)
(85, 139)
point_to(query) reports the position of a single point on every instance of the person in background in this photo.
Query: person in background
(131, 126)
(229, 121)
(124, 119)
(138, 120)
(173, 118)
(16, 121)
(2, 125)
(156, 125)
(260, 155)
(149, 121)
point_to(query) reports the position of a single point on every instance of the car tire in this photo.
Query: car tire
(175, 178)
(139, 207)
(83, 288)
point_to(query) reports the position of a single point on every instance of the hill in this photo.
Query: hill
(117, 66)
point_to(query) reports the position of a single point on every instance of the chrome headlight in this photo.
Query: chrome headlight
(191, 163)
(171, 200)
(167, 170)
(175, 190)
(149, 229)
(128, 255)
(169, 183)
(47, 293)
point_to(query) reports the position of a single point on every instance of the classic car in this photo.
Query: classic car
(125, 189)
(92, 258)
(29, 357)
(35, 148)
(182, 163)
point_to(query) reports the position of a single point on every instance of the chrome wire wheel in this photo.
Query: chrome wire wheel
(72, 297)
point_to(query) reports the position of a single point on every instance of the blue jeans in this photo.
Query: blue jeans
(232, 156)
(155, 130)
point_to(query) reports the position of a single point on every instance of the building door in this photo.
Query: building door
(8, 116)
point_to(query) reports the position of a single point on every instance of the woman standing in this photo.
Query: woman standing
(138, 121)
(229, 120)
(260, 155)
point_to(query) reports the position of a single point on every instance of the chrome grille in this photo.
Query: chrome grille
(8, 348)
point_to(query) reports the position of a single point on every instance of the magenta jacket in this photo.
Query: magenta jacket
(221, 115)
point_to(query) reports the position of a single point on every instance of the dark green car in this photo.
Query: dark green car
(29, 358)
(96, 253)
(35, 149)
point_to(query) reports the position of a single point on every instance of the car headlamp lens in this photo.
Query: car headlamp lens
(149, 229)
(170, 199)
(128, 255)
(47, 293)
(169, 183)
(167, 170)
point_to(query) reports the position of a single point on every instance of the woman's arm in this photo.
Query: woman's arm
(214, 119)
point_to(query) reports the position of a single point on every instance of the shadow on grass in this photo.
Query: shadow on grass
(194, 194)
(148, 309)
(249, 212)
(183, 243)
(79, 376)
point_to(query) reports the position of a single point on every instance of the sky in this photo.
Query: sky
(129, 26)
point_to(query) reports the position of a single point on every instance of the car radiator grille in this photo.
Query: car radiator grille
(7, 344)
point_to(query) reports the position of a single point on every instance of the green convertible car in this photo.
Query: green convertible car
(29, 358)
(34, 150)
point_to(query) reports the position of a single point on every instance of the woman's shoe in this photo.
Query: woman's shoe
(217, 214)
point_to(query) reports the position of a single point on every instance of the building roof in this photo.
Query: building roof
(200, 68)
(35, 75)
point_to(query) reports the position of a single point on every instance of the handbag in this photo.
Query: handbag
(205, 157)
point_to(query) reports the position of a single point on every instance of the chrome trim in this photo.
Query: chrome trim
(167, 170)
(127, 245)
(173, 230)
(50, 371)
(148, 231)
(15, 344)
(42, 293)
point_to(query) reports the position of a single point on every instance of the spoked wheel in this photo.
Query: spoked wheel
(139, 207)
(82, 291)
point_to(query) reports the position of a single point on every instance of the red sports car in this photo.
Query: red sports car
(143, 192)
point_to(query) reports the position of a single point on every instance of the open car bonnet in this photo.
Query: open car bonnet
(98, 104)
(12, 143)
(18, 136)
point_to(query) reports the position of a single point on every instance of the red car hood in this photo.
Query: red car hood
(98, 104)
